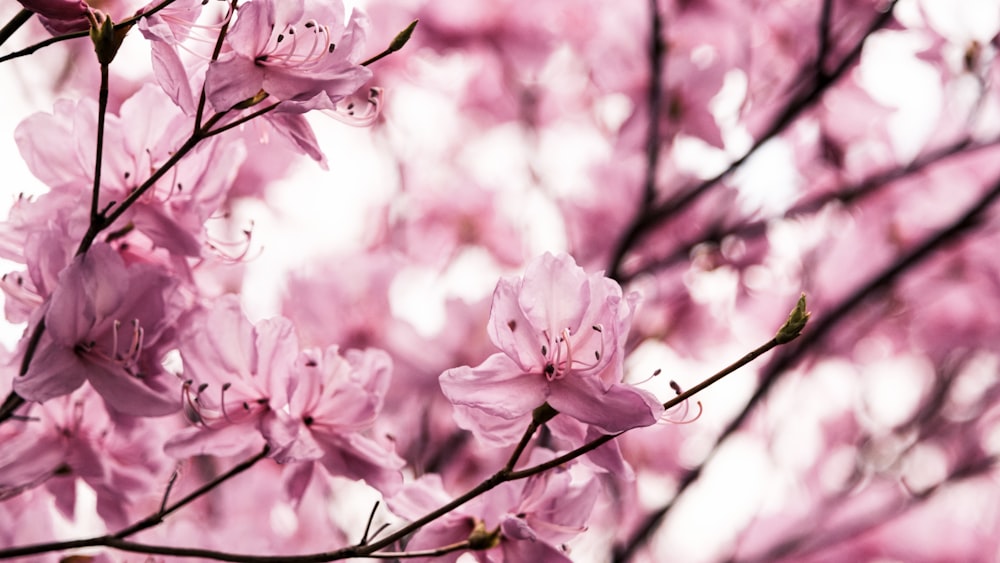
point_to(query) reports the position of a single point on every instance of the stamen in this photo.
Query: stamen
(114, 340)
(684, 407)
(683, 419)
(650, 378)
(569, 352)
(222, 402)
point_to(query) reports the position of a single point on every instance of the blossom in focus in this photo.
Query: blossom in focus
(107, 324)
(562, 334)
(300, 52)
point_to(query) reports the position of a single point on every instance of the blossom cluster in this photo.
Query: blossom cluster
(567, 217)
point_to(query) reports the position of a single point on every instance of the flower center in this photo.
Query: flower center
(558, 354)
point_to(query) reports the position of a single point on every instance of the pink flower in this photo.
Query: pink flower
(562, 332)
(300, 52)
(109, 325)
(337, 398)
(238, 374)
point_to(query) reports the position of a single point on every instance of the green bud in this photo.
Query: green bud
(106, 38)
(796, 322)
(480, 538)
(402, 37)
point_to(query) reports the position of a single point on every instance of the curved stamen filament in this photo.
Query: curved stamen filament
(564, 337)
(562, 359)
(222, 402)
(114, 339)
(290, 53)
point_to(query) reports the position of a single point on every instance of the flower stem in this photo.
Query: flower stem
(102, 110)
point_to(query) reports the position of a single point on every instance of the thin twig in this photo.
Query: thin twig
(654, 98)
(849, 194)
(825, 16)
(14, 24)
(216, 51)
(159, 515)
(368, 526)
(102, 110)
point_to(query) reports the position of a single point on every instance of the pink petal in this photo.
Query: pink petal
(511, 330)
(555, 293)
(498, 387)
(55, 371)
(231, 81)
(90, 289)
(619, 408)
(134, 395)
(230, 440)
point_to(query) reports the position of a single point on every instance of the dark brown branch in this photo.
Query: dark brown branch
(14, 24)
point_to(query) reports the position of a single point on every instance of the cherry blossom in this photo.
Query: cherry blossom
(522, 521)
(74, 437)
(172, 214)
(691, 166)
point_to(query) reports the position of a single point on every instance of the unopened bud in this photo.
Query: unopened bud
(480, 538)
(107, 40)
(796, 322)
(402, 37)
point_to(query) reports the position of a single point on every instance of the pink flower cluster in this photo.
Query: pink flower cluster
(562, 201)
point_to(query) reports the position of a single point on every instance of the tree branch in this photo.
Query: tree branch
(824, 325)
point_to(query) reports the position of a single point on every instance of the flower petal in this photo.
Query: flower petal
(510, 330)
(56, 371)
(498, 387)
(555, 293)
(616, 409)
